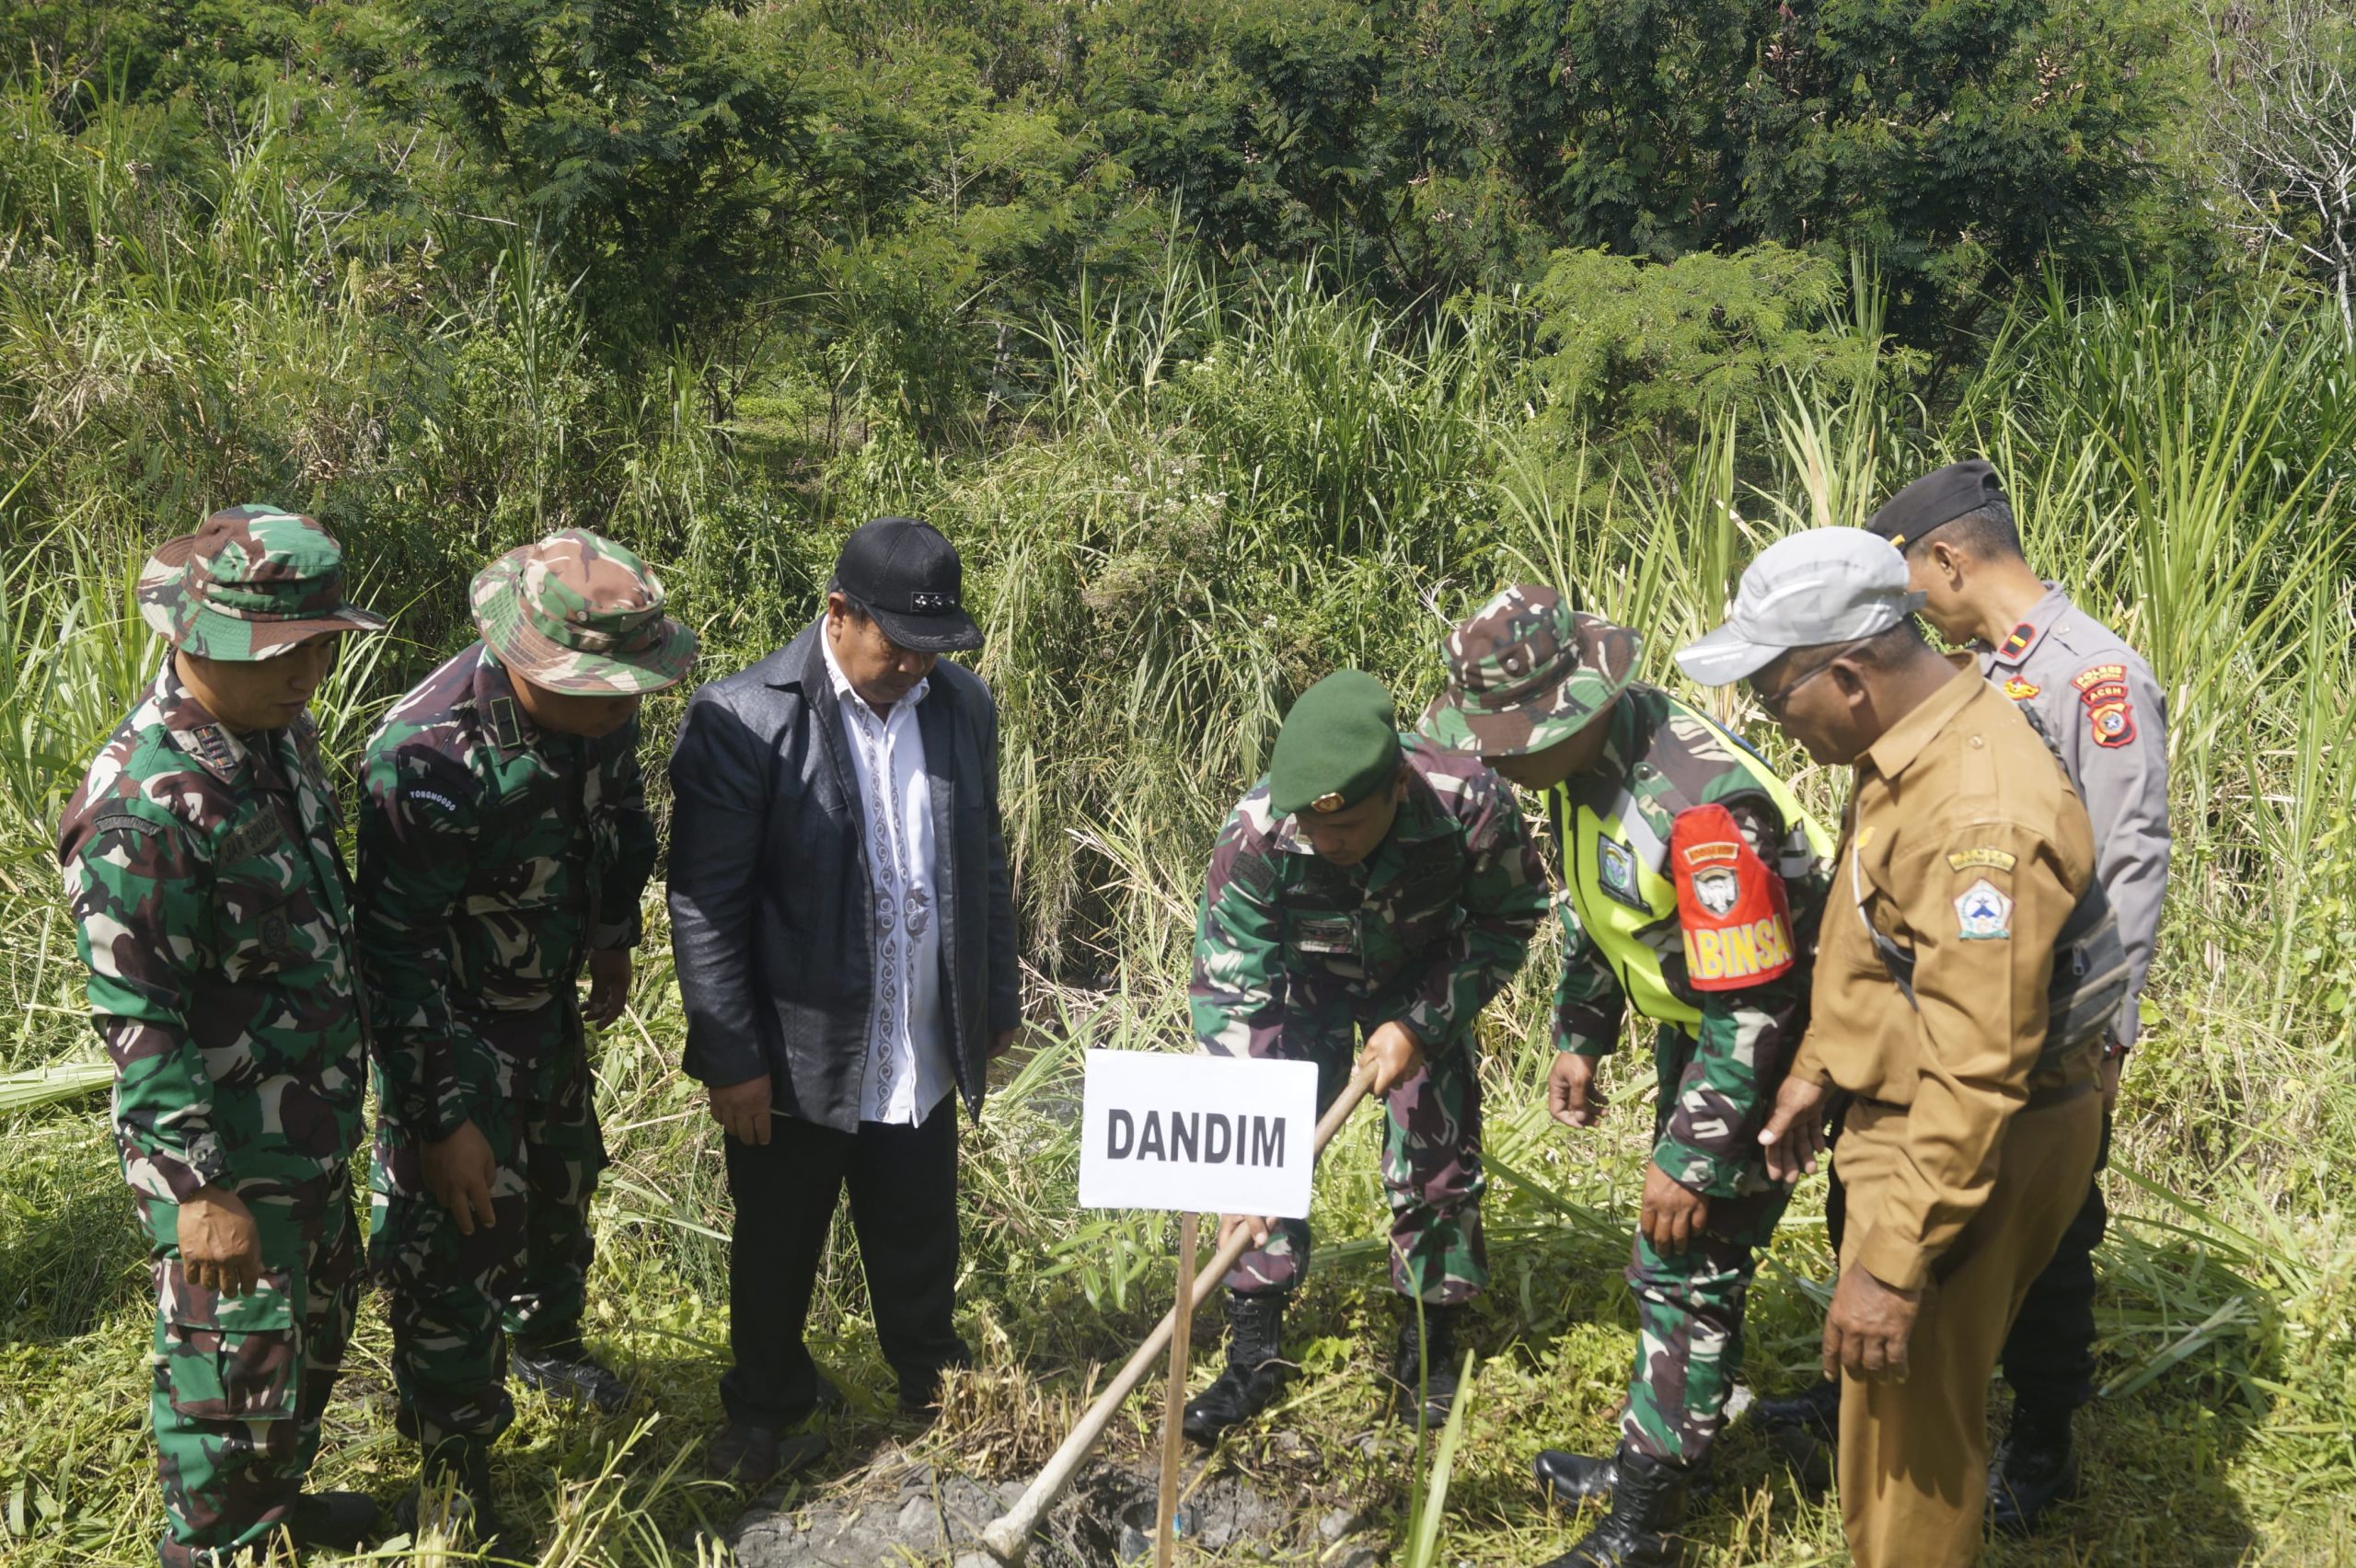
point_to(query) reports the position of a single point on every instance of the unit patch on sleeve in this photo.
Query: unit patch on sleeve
(1982, 913)
(1981, 856)
(2103, 689)
(1736, 914)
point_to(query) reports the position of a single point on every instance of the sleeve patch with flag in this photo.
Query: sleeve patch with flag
(1736, 915)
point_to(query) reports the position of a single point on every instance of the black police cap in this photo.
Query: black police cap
(1940, 496)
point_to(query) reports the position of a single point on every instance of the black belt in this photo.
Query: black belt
(2039, 1098)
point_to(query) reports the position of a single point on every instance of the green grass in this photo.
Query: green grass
(1209, 497)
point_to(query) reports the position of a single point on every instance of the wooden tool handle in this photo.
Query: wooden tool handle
(1009, 1535)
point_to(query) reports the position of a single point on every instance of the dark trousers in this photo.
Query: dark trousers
(903, 1184)
(2048, 1356)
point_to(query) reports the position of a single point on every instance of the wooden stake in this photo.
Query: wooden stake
(1182, 1323)
(1009, 1535)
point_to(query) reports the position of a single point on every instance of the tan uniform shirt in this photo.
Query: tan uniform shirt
(1966, 847)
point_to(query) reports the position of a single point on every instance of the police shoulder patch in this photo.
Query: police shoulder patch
(2109, 714)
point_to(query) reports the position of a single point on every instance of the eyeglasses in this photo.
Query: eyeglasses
(1773, 701)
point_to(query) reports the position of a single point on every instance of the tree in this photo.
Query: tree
(2285, 127)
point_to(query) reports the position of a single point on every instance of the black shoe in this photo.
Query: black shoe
(1647, 1504)
(565, 1370)
(2033, 1469)
(1255, 1373)
(453, 1497)
(339, 1520)
(752, 1457)
(1573, 1478)
(1814, 1411)
(1425, 1363)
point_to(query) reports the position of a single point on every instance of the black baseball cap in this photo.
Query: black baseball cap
(1938, 496)
(907, 575)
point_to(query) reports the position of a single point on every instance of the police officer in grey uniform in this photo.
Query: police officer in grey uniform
(2102, 712)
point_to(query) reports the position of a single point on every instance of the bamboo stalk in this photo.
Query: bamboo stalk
(1008, 1536)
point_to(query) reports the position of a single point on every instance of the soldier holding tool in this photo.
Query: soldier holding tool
(504, 845)
(1371, 885)
(214, 914)
(1694, 886)
(1970, 965)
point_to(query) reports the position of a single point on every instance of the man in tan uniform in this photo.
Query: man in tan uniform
(1966, 862)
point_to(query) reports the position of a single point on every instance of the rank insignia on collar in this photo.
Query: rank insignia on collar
(2020, 691)
(2017, 643)
(1327, 803)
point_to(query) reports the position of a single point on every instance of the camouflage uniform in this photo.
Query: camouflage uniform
(1526, 673)
(1296, 958)
(213, 915)
(1717, 1075)
(495, 856)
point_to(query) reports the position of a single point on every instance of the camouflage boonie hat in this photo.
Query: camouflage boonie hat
(579, 613)
(1526, 671)
(251, 583)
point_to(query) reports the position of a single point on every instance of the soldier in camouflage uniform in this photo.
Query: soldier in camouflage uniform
(503, 847)
(1694, 886)
(202, 868)
(1370, 884)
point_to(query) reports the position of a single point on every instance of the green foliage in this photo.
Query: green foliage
(1654, 348)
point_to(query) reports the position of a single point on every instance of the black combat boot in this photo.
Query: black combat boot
(339, 1520)
(564, 1369)
(1814, 1411)
(1647, 1504)
(1425, 1363)
(1254, 1372)
(453, 1497)
(2032, 1470)
(1573, 1478)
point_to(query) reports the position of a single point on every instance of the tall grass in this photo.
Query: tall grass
(1212, 495)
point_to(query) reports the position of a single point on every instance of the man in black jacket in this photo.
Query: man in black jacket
(845, 937)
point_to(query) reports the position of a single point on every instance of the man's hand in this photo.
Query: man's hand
(1397, 1057)
(1866, 1329)
(1257, 1224)
(744, 1107)
(2111, 1069)
(458, 1172)
(1673, 1213)
(1003, 1042)
(1571, 1095)
(608, 985)
(1793, 1135)
(220, 1244)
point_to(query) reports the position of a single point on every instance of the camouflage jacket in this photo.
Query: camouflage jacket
(1424, 931)
(214, 914)
(1667, 760)
(493, 857)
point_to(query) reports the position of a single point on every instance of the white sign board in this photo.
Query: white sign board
(1224, 1135)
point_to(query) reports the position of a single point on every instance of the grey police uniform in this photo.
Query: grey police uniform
(2103, 710)
(2104, 713)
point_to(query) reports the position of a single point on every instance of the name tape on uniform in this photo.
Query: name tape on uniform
(1228, 1135)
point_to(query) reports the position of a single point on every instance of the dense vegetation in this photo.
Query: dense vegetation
(1234, 340)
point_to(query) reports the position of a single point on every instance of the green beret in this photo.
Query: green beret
(1339, 745)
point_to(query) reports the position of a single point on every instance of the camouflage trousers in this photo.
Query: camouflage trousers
(453, 1299)
(1431, 1168)
(1689, 1306)
(242, 1383)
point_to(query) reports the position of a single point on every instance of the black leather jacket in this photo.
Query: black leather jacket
(770, 911)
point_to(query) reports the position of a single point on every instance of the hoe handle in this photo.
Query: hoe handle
(1008, 1536)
